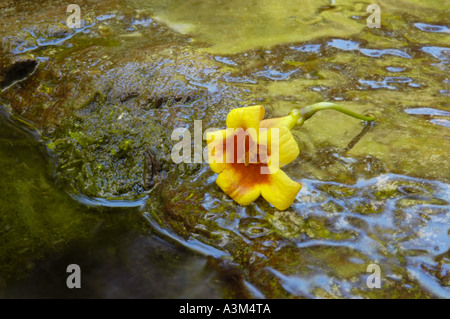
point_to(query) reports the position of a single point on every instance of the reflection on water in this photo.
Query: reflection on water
(432, 28)
(230, 26)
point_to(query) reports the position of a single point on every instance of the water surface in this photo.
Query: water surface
(375, 194)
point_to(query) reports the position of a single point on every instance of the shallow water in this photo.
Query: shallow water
(44, 230)
(371, 194)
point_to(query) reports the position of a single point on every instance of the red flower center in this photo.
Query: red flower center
(246, 157)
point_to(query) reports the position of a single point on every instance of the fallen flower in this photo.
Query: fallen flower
(247, 173)
(248, 165)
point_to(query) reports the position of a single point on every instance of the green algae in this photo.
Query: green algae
(106, 149)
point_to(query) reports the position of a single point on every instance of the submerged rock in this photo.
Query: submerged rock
(101, 101)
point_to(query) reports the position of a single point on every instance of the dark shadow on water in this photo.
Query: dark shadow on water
(44, 230)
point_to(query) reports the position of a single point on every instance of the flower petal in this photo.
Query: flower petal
(245, 117)
(237, 186)
(285, 121)
(280, 190)
(216, 152)
(287, 146)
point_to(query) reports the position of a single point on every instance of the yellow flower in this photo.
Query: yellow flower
(248, 154)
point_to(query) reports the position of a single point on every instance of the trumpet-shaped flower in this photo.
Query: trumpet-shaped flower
(248, 154)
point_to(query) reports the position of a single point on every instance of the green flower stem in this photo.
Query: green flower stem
(306, 112)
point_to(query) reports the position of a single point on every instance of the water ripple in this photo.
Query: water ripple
(427, 111)
(349, 45)
(440, 53)
(275, 74)
(386, 82)
(432, 28)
